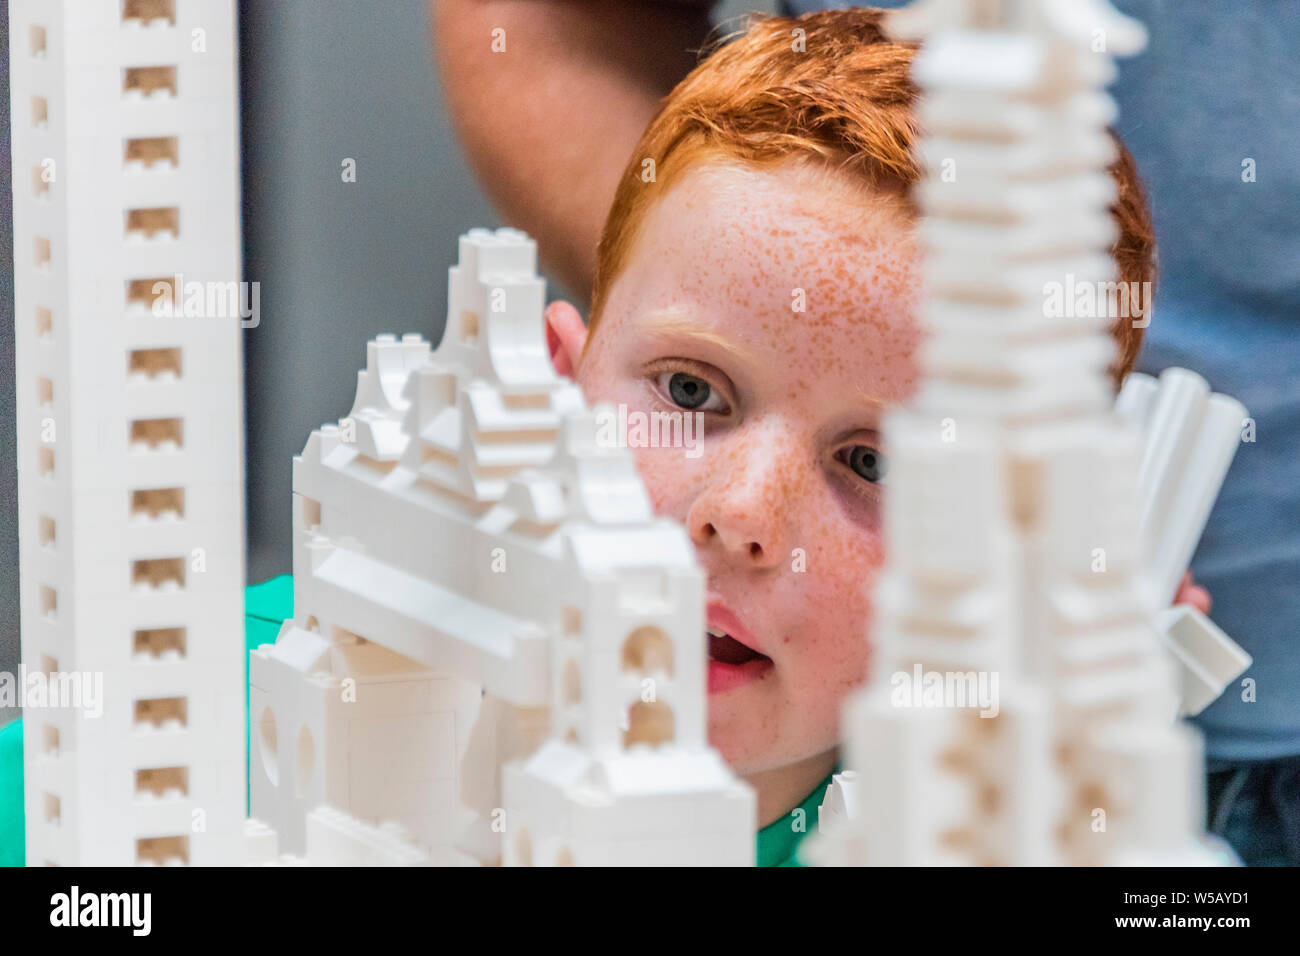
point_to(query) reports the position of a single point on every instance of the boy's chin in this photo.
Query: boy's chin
(740, 730)
(757, 732)
(744, 757)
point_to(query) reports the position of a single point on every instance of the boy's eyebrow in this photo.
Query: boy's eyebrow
(671, 324)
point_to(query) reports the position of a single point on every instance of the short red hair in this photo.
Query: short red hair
(839, 92)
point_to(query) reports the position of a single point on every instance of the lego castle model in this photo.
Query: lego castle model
(493, 582)
(497, 649)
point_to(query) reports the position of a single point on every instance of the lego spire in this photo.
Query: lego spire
(1018, 688)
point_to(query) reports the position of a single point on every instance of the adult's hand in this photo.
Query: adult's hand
(1189, 592)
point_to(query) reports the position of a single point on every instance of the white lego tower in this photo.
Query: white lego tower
(1012, 512)
(473, 571)
(130, 425)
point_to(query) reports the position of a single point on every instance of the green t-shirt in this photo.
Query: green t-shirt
(780, 840)
(266, 605)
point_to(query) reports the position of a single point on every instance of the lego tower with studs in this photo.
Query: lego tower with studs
(130, 437)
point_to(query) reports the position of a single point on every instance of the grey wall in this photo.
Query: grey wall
(338, 262)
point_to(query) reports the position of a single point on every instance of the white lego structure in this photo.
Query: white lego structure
(335, 838)
(474, 573)
(130, 439)
(1191, 437)
(497, 651)
(1013, 513)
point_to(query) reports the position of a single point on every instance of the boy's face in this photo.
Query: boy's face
(779, 303)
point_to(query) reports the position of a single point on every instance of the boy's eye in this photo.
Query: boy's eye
(690, 392)
(867, 462)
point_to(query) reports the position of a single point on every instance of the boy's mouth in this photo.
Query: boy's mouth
(732, 662)
(727, 650)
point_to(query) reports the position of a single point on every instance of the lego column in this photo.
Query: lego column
(128, 311)
(1014, 562)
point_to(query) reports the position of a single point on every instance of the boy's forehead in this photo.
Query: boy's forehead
(781, 197)
(784, 268)
(779, 243)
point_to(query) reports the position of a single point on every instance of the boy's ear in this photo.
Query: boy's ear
(566, 334)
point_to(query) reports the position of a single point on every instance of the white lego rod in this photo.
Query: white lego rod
(1188, 509)
(1191, 437)
(1136, 399)
(1171, 430)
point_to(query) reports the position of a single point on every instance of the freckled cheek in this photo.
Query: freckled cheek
(669, 478)
(844, 551)
(838, 607)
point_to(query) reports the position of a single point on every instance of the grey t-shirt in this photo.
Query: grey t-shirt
(1215, 95)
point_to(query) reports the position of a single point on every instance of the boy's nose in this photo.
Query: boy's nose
(744, 510)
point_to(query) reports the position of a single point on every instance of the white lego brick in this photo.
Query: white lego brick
(335, 838)
(836, 811)
(955, 463)
(924, 812)
(1192, 437)
(1087, 498)
(259, 843)
(391, 745)
(1209, 660)
(560, 813)
(1149, 779)
(1136, 399)
(1178, 406)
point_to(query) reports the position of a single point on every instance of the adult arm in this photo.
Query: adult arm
(550, 123)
